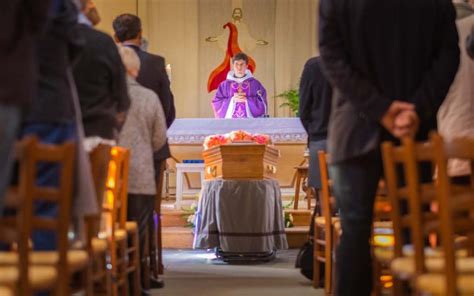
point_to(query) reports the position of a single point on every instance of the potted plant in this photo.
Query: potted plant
(292, 99)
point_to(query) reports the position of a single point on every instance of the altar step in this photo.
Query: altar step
(177, 235)
(172, 218)
(182, 237)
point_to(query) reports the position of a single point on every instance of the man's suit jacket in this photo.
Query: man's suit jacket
(375, 52)
(21, 21)
(315, 100)
(57, 49)
(153, 75)
(101, 84)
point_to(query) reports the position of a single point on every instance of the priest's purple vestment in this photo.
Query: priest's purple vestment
(255, 106)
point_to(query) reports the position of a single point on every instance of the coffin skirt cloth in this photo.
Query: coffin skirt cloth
(240, 217)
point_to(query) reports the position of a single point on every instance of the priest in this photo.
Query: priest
(240, 95)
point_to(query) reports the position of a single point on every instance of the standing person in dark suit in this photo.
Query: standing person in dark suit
(100, 79)
(314, 110)
(21, 23)
(391, 70)
(315, 95)
(152, 75)
(128, 31)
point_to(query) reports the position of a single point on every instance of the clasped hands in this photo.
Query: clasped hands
(239, 98)
(401, 119)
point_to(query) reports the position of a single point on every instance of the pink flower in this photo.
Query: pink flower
(236, 136)
(261, 139)
(215, 140)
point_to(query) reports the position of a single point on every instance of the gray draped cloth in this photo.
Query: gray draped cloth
(240, 216)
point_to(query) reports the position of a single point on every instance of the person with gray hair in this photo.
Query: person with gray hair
(144, 132)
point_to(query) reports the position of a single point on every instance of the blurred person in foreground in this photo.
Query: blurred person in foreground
(21, 22)
(391, 70)
(51, 116)
(456, 115)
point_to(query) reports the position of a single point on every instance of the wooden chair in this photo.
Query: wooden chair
(157, 263)
(324, 231)
(67, 261)
(327, 228)
(301, 176)
(22, 278)
(405, 209)
(96, 246)
(124, 256)
(410, 200)
(456, 213)
(381, 241)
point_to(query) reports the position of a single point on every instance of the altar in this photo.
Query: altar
(186, 137)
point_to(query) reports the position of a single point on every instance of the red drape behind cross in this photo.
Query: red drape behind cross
(220, 73)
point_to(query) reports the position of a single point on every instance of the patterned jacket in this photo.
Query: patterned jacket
(143, 132)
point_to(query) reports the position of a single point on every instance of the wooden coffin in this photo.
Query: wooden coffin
(240, 161)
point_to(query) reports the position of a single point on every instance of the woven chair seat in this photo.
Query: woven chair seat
(5, 291)
(436, 284)
(41, 277)
(405, 266)
(131, 226)
(77, 259)
(321, 221)
(99, 246)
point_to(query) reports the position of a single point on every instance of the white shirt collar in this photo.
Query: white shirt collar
(230, 76)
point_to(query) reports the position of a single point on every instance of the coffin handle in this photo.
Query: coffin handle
(212, 170)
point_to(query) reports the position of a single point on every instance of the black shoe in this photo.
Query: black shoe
(156, 283)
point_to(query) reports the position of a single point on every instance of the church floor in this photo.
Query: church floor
(191, 272)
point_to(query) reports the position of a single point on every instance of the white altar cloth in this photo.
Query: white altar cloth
(195, 130)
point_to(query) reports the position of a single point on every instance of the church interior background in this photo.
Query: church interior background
(280, 35)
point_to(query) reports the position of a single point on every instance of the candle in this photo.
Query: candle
(168, 71)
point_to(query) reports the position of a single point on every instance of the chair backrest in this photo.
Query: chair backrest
(117, 187)
(62, 156)
(456, 203)
(408, 196)
(326, 199)
(16, 230)
(32, 156)
(99, 159)
(114, 206)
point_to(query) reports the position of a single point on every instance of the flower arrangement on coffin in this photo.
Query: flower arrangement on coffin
(239, 136)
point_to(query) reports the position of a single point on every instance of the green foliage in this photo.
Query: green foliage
(190, 215)
(289, 220)
(292, 99)
(290, 204)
